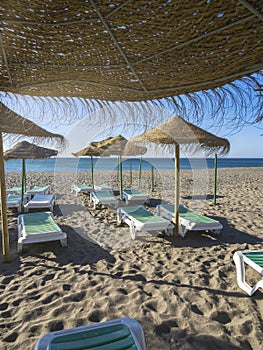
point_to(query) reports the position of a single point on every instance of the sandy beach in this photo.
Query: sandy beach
(183, 291)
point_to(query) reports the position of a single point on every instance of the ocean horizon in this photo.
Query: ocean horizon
(59, 164)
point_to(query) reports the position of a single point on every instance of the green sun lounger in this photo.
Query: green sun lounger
(189, 220)
(37, 228)
(103, 187)
(141, 219)
(14, 190)
(81, 188)
(119, 334)
(253, 258)
(13, 201)
(103, 198)
(134, 196)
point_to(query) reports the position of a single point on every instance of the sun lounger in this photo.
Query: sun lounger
(189, 220)
(14, 190)
(81, 188)
(103, 198)
(102, 187)
(119, 334)
(134, 196)
(37, 228)
(13, 201)
(41, 201)
(141, 219)
(38, 190)
(253, 258)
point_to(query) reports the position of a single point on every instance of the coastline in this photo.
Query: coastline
(182, 291)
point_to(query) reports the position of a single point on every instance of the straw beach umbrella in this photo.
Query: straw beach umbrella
(134, 51)
(175, 132)
(14, 124)
(111, 146)
(25, 150)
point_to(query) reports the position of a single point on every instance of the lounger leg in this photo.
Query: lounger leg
(241, 275)
(216, 232)
(158, 210)
(19, 247)
(119, 217)
(63, 242)
(132, 231)
(182, 230)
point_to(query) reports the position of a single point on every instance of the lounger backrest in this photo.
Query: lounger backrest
(113, 337)
(256, 257)
(103, 194)
(39, 223)
(189, 214)
(143, 215)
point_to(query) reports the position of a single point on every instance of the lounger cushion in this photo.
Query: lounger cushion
(143, 215)
(39, 224)
(119, 334)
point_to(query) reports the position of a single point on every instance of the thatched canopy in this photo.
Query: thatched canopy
(111, 146)
(132, 50)
(13, 123)
(27, 150)
(177, 131)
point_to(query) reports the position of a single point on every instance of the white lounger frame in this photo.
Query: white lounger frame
(187, 225)
(240, 259)
(136, 225)
(38, 238)
(133, 325)
(38, 190)
(128, 197)
(77, 189)
(41, 201)
(98, 201)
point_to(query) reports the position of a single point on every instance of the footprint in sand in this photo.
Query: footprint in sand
(221, 317)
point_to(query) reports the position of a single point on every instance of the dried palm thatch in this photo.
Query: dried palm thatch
(111, 146)
(177, 131)
(12, 123)
(134, 50)
(27, 150)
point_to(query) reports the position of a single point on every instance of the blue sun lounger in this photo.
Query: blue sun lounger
(254, 259)
(189, 220)
(119, 334)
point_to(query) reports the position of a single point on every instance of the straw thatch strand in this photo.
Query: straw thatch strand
(133, 50)
(14, 126)
(177, 131)
(108, 147)
(27, 150)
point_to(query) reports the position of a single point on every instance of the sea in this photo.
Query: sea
(112, 163)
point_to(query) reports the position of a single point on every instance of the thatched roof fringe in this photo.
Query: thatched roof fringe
(234, 104)
(14, 127)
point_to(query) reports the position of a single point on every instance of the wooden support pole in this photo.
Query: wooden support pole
(5, 235)
(177, 189)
